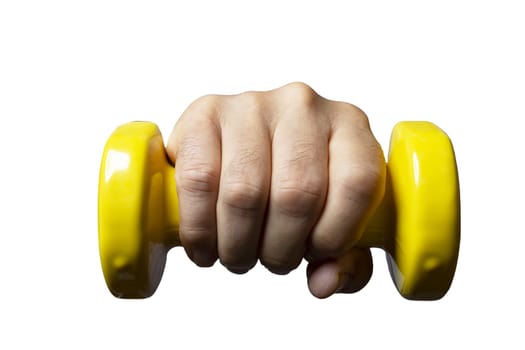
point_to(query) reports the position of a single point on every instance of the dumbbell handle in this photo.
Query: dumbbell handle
(373, 235)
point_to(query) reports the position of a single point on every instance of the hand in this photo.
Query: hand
(278, 176)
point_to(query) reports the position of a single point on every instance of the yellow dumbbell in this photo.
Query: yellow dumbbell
(417, 223)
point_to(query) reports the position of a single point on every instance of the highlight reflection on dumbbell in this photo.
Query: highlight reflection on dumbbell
(417, 223)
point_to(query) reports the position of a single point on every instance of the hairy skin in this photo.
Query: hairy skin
(275, 177)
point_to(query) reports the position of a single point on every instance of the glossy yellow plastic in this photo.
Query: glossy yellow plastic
(137, 209)
(417, 223)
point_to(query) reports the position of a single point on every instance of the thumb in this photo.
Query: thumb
(347, 274)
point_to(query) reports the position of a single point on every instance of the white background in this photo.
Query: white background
(71, 71)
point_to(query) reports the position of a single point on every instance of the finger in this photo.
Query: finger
(245, 183)
(298, 190)
(347, 274)
(195, 148)
(356, 186)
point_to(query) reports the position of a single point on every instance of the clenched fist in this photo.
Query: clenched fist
(278, 176)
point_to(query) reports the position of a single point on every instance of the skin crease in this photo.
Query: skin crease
(275, 177)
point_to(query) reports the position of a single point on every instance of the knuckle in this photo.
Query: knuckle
(201, 113)
(297, 199)
(301, 94)
(361, 183)
(352, 111)
(250, 99)
(247, 199)
(194, 236)
(197, 178)
(248, 105)
(352, 115)
(299, 195)
(300, 186)
(243, 188)
(206, 106)
(361, 120)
